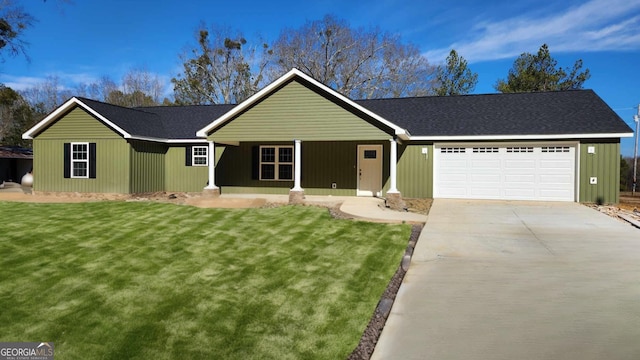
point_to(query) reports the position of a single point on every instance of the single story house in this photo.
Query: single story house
(297, 136)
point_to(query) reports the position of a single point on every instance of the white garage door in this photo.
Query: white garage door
(518, 172)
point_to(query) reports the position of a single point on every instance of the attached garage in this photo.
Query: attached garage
(519, 171)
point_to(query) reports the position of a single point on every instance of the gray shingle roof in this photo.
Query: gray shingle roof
(164, 122)
(547, 113)
(543, 113)
(182, 122)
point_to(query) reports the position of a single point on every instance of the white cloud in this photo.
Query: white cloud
(597, 25)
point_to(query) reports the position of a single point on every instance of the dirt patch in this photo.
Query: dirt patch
(225, 203)
(629, 202)
(420, 206)
(372, 332)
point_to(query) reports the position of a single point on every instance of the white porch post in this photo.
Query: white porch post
(297, 156)
(212, 167)
(393, 159)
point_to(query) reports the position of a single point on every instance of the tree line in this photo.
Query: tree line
(222, 66)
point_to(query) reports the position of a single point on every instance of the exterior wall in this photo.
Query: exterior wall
(112, 167)
(603, 164)
(297, 112)
(414, 171)
(323, 163)
(182, 178)
(147, 167)
(112, 161)
(78, 124)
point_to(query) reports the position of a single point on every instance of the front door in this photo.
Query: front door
(369, 170)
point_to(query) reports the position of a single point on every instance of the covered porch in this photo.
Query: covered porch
(302, 168)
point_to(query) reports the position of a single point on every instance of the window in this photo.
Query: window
(276, 162)
(200, 155)
(520, 149)
(485, 149)
(370, 154)
(456, 150)
(555, 149)
(79, 160)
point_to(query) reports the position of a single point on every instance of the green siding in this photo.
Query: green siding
(112, 167)
(605, 165)
(414, 171)
(297, 112)
(147, 167)
(182, 178)
(323, 163)
(78, 124)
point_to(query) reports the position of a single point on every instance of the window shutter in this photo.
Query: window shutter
(188, 151)
(67, 160)
(92, 160)
(255, 162)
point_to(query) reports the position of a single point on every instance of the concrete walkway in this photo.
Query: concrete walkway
(364, 208)
(517, 280)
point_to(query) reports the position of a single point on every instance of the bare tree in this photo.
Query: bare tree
(222, 69)
(98, 90)
(44, 97)
(358, 63)
(13, 22)
(142, 82)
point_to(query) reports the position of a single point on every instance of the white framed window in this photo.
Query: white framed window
(80, 160)
(200, 156)
(276, 163)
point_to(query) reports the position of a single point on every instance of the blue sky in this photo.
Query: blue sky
(83, 40)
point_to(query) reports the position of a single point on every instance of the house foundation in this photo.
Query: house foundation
(296, 197)
(394, 202)
(211, 193)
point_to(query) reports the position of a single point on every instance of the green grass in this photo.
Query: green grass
(116, 280)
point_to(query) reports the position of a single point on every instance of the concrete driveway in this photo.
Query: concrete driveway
(518, 280)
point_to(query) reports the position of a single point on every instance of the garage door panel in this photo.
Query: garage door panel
(562, 180)
(555, 164)
(542, 172)
(519, 164)
(522, 178)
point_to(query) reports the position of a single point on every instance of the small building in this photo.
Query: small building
(297, 136)
(15, 162)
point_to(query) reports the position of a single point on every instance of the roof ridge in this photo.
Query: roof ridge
(477, 95)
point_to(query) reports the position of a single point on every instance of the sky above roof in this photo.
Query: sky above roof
(84, 40)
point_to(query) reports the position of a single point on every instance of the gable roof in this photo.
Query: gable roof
(323, 89)
(545, 115)
(558, 114)
(158, 123)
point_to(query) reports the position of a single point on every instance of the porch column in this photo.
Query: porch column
(393, 159)
(393, 198)
(211, 189)
(296, 194)
(297, 156)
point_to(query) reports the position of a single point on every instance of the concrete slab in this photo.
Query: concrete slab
(373, 209)
(517, 280)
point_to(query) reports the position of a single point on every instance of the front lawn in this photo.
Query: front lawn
(118, 280)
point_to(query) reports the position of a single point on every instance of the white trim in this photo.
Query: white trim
(72, 160)
(402, 133)
(520, 137)
(297, 159)
(194, 156)
(211, 171)
(393, 162)
(65, 107)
